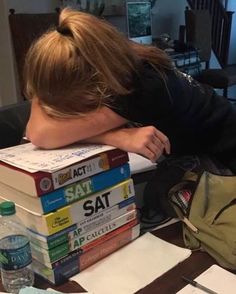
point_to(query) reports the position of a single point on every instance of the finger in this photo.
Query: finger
(164, 140)
(149, 155)
(152, 153)
(156, 147)
(157, 143)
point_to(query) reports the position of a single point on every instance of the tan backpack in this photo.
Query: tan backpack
(209, 217)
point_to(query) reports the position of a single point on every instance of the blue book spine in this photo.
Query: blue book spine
(62, 270)
(81, 189)
(66, 268)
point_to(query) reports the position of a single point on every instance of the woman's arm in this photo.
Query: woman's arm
(146, 141)
(47, 132)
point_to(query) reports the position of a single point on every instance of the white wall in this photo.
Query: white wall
(167, 16)
(9, 90)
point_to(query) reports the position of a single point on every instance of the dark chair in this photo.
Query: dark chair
(13, 120)
(199, 34)
(25, 28)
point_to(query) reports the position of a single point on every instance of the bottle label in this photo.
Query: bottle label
(18, 255)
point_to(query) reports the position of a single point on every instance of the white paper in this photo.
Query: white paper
(140, 164)
(32, 159)
(132, 267)
(33, 290)
(215, 278)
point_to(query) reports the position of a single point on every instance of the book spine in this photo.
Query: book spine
(101, 162)
(76, 240)
(81, 189)
(68, 267)
(64, 217)
(99, 219)
(106, 248)
(74, 263)
(108, 236)
(88, 224)
(39, 183)
(46, 242)
(50, 256)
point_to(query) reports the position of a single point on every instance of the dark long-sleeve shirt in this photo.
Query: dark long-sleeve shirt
(191, 115)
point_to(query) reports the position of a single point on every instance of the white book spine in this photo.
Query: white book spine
(78, 242)
(77, 172)
(85, 225)
(75, 241)
(54, 222)
(100, 201)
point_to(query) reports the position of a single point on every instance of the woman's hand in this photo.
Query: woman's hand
(146, 141)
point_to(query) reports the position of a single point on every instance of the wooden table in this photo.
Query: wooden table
(169, 283)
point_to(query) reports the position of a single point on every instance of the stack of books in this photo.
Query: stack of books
(77, 204)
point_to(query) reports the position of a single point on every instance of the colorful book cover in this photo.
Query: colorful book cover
(86, 225)
(62, 218)
(67, 194)
(75, 262)
(37, 183)
(48, 257)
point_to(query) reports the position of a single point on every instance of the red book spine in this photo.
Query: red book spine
(80, 170)
(40, 183)
(107, 236)
(106, 248)
(117, 157)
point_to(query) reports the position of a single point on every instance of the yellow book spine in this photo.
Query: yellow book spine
(58, 220)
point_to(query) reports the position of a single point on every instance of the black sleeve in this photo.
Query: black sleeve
(149, 102)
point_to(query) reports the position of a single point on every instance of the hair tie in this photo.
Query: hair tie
(64, 31)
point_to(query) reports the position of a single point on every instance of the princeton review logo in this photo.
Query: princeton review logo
(45, 184)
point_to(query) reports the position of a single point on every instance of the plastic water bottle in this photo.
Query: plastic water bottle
(15, 252)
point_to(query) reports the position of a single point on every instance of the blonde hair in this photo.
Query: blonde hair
(83, 64)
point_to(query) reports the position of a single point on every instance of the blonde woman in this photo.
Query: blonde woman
(86, 81)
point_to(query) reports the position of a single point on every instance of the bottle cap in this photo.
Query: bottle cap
(7, 208)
